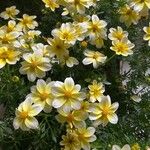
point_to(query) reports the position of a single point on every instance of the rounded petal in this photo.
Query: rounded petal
(31, 122)
(58, 102)
(69, 84)
(113, 118)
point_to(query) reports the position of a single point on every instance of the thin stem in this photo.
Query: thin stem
(110, 58)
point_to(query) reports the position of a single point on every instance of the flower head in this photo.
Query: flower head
(93, 57)
(25, 115)
(70, 141)
(35, 65)
(8, 55)
(128, 15)
(117, 34)
(74, 119)
(27, 22)
(57, 47)
(42, 94)
(140, 4)
(123, 47)
(9, 13)
(104, 112)
(96, 91)
(97, 28)
(67, 33)
(52, 4)
(86, 136)
(67, 95)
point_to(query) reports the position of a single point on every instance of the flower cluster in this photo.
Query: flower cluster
(133, 11)
(74, 105)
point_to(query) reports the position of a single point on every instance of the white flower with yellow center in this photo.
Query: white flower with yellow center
(42, 48)
(69, 61)
(52, 4)
(57, 47)
(123, 47)
(70, 142)
(147, 35)
(140, 4)
(9, 13)
(35, 65)
(67, 33)
(74, 119)
(79, 5)
(117, 34)
(67, 95)
(96, 91)
(8, 55)
(86, 136)
(81, 29)
(98, 42)
(41, 94)
(125, 147)
(27, 22)
(97, 28)
(104, 112)
(93, 57)
(25, 115)
(128, 15)
(8, 37)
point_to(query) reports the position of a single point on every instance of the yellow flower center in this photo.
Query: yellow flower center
(65, 35)
(44, 96)
(105, 111)
(121, 47)
(95, 56)
(118, 35)
(4, 55)
(67, 94)
(94, 28)
(76, 2)
(24, 115)
(70, 118)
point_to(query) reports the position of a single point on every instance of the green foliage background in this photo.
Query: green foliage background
(134, 118)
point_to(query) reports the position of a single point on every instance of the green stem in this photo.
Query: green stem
(110, 58)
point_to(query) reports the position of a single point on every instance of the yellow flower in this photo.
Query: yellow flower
(98, 42)
(96, 91)
(81, 30)
(67, 33)
(31, 34)
(41, 48)
(57, 47)
(117, 34)
(93, 57)
(27, 22)
(35, 65)
(67, 95)
(140, 4)
(125, 147)
(25, 115)
(8, 55)
(74, 119)
(97, 28)
(136, 146)
(51, 4)
(128, 15)
(123, 47)
(69, 61)
(86, 136)
(79, 5)
(104, 112)
(9, 13)
(147, 35)
(8, 37)
(70, 141)
(42, 94)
